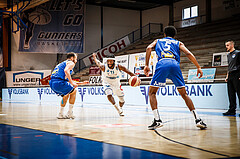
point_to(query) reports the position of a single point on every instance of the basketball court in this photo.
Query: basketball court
(31, 130)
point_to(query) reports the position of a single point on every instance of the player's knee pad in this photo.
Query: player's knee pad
(121, 99)
(108, 91)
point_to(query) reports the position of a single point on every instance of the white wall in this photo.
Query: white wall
(156, 15)
(29, 61)
(118, 22)
(219, 11)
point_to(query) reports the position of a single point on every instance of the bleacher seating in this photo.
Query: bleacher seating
(202, 40)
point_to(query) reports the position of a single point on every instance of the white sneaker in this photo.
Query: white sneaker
(61, 116)
(200, 124)
(119, 109)
(70, 115)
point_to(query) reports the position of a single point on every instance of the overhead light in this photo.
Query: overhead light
(130, 1)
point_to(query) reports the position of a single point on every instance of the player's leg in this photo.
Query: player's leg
(119, 92)
(177, 78)
(153, 102)
(159, 79)
(63, 104)
(109, 93)
(71, 104)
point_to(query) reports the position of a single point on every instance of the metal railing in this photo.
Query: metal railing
(134, 36)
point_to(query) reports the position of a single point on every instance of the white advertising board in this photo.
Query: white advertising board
(27, 78)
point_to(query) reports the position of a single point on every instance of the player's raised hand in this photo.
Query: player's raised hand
(199, 71)
(94, 55)
(146, 70)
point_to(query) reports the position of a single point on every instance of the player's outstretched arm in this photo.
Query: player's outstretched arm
(98, 63)
(124, 69)
(148, 53)
(192, 58)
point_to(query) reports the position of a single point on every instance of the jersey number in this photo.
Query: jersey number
(167, 46)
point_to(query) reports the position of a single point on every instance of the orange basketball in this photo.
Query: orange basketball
(134, 81)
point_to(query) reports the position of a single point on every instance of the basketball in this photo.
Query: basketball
(40, 17)
(134, 81)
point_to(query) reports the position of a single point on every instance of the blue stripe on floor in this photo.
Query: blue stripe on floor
(17, 142)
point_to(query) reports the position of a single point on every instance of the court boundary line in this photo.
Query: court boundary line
(197, 148)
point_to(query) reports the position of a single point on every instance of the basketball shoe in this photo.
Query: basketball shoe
(200, 124)
(70, 115)
(119, 109)
(61, 116)
(156, 124)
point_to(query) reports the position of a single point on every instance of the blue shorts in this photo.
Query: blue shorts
(167, 68)
(61, 87)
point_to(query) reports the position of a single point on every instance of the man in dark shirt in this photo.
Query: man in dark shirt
(233, 77)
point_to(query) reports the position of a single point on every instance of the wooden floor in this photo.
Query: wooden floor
(178, 137)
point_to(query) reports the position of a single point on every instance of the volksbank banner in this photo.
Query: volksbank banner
(25, 78)
(203, 95)
(53, 27)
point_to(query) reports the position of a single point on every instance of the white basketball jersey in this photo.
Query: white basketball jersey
(111, 76)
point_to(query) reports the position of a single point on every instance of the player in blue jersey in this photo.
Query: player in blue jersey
(168, 66)
(62, 84)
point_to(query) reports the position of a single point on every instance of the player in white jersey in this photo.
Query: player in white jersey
(111, 80)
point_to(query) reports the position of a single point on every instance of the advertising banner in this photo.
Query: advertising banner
(27, 78)
(108, 50)
(137, 63)
(203, 95)
(53, 27)
(95, 80)
(208, 75)
(220, 59)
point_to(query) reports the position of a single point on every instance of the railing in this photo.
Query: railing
(134, 36)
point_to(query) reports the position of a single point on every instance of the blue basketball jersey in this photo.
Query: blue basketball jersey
(58, 72)
(168, 48)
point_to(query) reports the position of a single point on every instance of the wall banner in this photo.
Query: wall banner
(27, 78)
(53, 27)
(108, 50)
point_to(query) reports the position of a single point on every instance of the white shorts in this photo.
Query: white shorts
(113, 89)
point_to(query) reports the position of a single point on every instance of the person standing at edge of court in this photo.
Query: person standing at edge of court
(233, 77)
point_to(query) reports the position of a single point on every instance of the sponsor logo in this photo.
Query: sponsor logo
(45, 91)
(10, 93)
(170, 90)
(40, 91)
(19, 78)
(90, 91)
(82, 92)
(17, 91)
